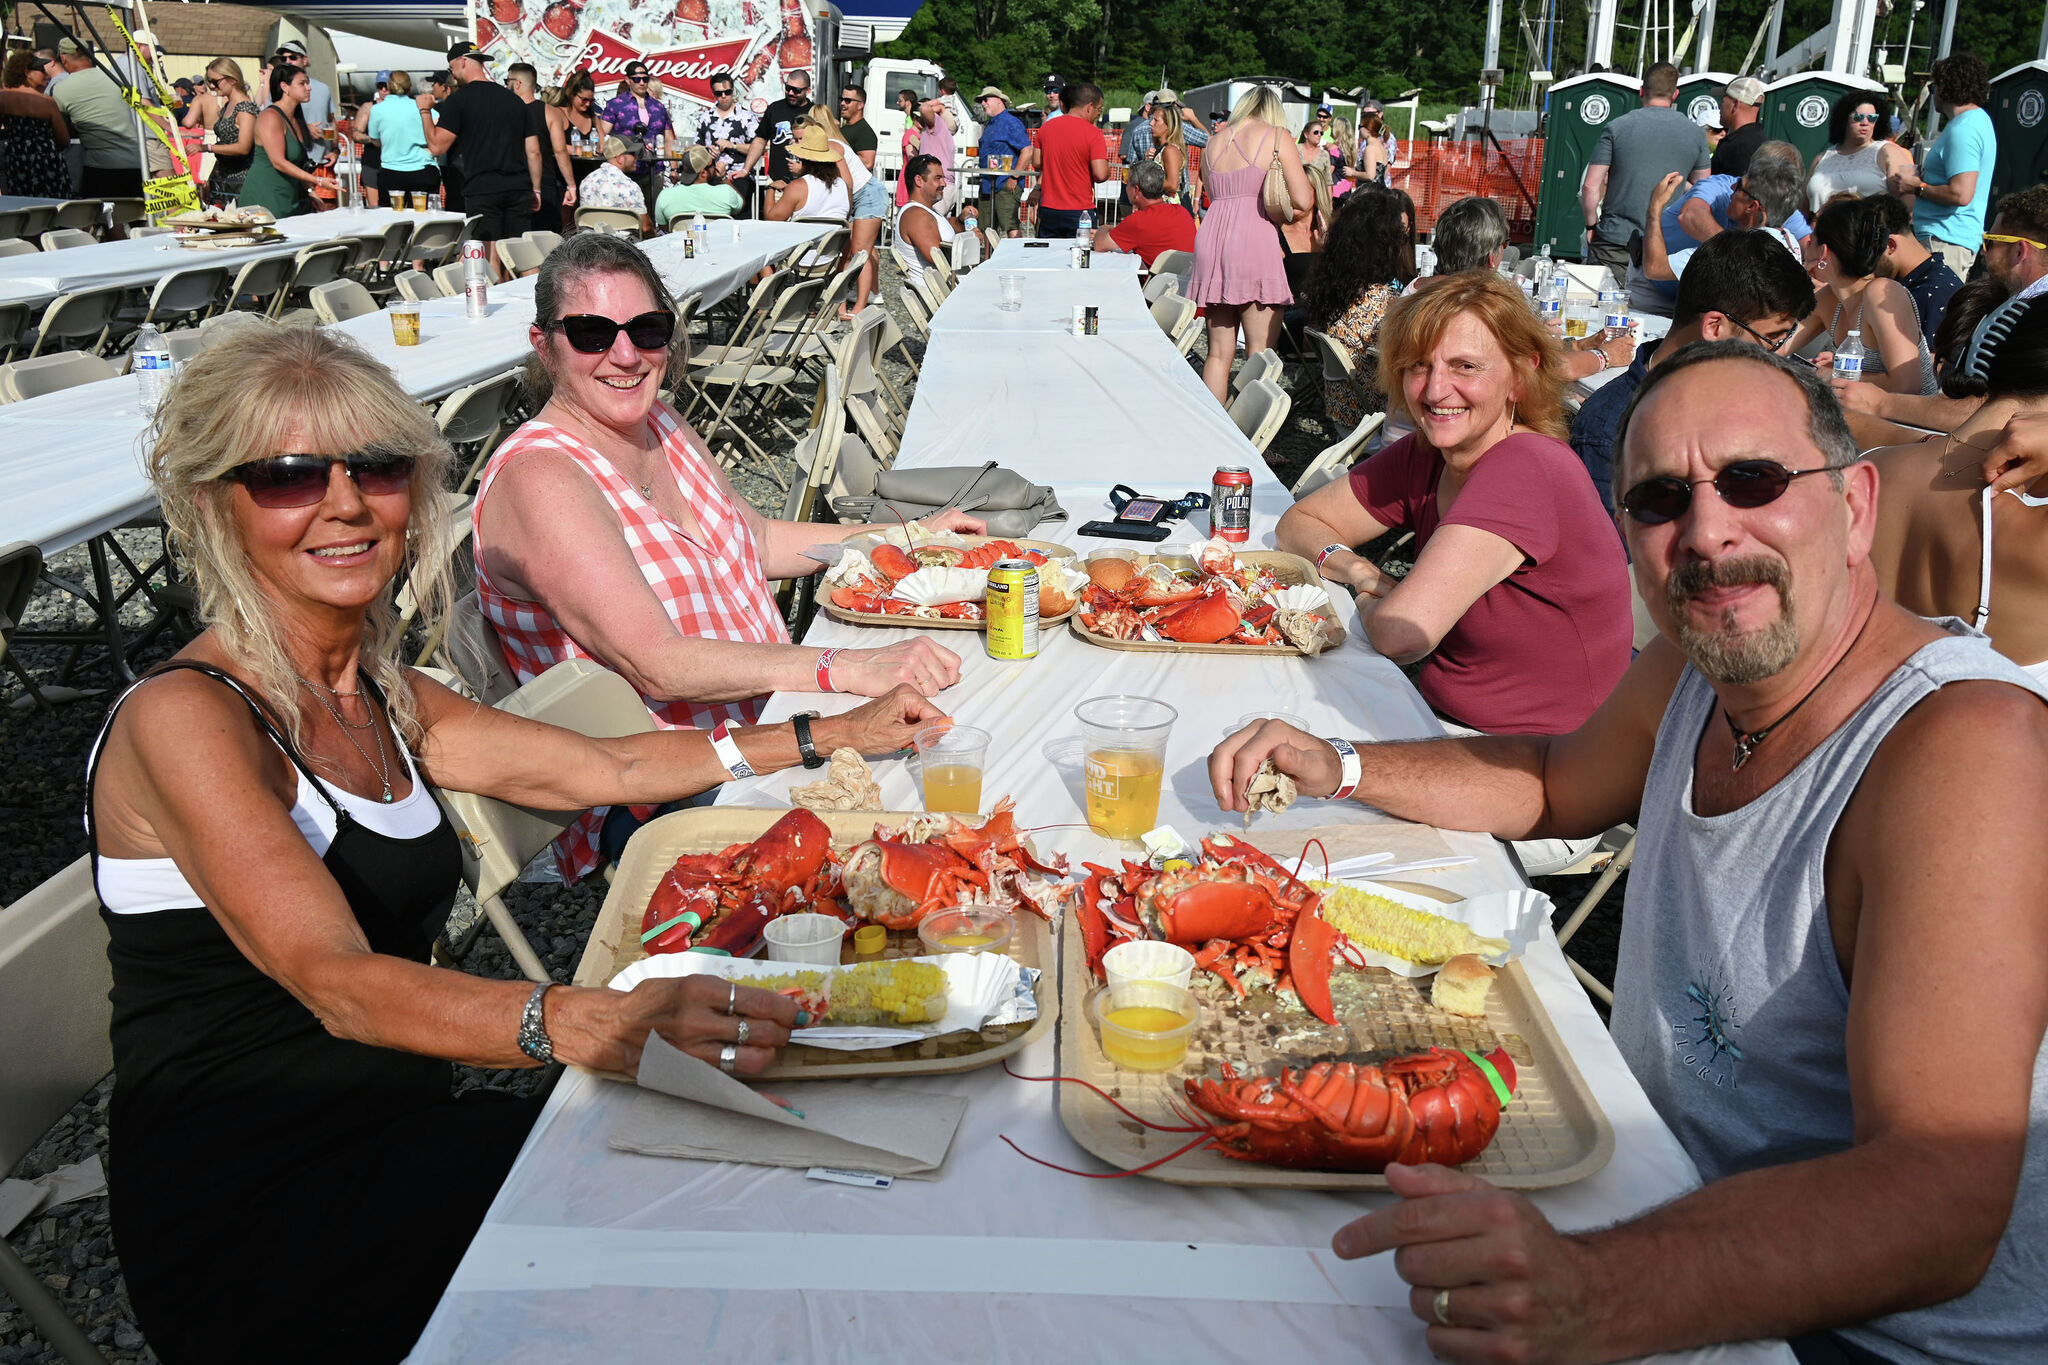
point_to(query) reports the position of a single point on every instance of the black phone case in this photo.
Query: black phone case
(1123, 530)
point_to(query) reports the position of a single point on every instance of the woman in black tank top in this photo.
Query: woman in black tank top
(291, 1177)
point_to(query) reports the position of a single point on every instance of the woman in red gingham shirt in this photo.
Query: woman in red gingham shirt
(605, 531)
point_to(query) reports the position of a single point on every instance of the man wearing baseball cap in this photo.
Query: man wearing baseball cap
(1741, 126)
(318, 110)
(486, 125)
(1003, 142)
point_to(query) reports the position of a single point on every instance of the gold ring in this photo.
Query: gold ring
(1441, 1307)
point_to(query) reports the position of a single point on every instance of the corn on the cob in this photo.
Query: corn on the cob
(1386, 926)
(895, 992)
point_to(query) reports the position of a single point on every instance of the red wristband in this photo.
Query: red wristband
(825, 671)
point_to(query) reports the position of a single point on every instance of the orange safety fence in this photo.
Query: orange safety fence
(1435, 174)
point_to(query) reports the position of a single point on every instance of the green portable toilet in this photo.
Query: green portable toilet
(1796, 109)
(2019, 112)
(1580, 110)
(1699, 95)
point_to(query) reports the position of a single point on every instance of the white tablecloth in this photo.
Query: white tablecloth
(590, 1253)
(71, 462)
(1026, 253)
(144, 260)
(1049, 300)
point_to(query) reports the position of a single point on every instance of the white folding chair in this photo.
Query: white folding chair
(416, 285)
(469, 651)
(448, 279)
(609, 220)
(19, 246)
(1172, 312)
(1260, 411)
(1179, 264)
(472, 419)
(43, 374)
(455, 549)
(54, 1018)
(187, 296)
(1159, 286)
(546, 241)
(519, 256)
(313, 266)
(1338, 367)
(262, 282)
(1337, 458)
(83, 215)
(83, 316)
(340, 300)
(62, 239)
(21, 564)
(435, 243)
(499, 839)
(1258, 365)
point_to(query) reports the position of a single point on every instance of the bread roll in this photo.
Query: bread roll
(1110, 573)
(1461, 986)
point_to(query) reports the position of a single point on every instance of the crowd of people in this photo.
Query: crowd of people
(1840, 691)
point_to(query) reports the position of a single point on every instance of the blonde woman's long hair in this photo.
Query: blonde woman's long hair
(1347, 141)
(227, 66)
(1324, 210)
(265, 389)
(821, 117)
(1413, 327)
(1262, 103)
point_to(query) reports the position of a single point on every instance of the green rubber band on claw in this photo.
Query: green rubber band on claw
(689, 917)
(709, 952)
(1492, 1073)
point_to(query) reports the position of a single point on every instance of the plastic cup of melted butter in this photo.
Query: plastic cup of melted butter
(967, 929)
(1145, 1025)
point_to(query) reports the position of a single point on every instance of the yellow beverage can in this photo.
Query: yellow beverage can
(1013, 610)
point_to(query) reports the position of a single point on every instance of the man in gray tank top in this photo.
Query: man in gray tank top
(1833, 979)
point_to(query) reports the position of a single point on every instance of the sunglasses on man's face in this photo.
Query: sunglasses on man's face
(2011, 240)
(1745, 484)
(638, 78)
(1862, 118)
(593, 333)
(301, 480)
(721, 94)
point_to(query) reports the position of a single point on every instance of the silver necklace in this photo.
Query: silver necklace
(346, 696)
(383, 768)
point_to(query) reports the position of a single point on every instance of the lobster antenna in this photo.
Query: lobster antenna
(1106, 1175)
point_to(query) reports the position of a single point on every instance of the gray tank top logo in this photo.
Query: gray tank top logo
(1706, 1042)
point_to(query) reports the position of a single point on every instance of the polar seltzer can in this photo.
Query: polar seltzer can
(1230, 504)
(1013, 610)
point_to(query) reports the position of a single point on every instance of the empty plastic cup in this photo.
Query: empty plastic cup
(804, 938)
(1124, 742)
(1012, 299)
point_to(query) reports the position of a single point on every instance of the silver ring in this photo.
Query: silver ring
(746, 1027)
(1441, 1307)
(727, 1057)
(732, 996)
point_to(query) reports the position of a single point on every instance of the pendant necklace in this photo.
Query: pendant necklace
(383, 768)
(1746, 741)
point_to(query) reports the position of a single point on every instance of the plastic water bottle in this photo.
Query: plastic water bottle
(151, 361)
(1552, 297)
(1084, 232)
(1613, 305)
(973, 218)
(1545, 267)
(1849, 359)
(1425, 260)
(700, 232)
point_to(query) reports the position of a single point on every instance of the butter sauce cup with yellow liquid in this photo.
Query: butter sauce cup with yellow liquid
(1145, 1025)
(1123, 741)
(967, 929)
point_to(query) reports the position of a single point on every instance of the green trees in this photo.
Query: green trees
(1386, 45)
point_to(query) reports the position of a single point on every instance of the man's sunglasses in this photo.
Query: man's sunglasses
(636, 75)
(593, 333)
(720, 94)
(1745, 484)
(2015, 241)
(301, 480)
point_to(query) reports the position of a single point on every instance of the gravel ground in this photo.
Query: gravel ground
(42, 793)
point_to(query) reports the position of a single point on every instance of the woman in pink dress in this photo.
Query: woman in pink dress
(1239, 273)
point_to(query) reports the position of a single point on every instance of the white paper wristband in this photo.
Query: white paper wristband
(1347, 755)
(728, 751)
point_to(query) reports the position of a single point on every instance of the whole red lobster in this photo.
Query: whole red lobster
(1439, 1105)
(720, 902)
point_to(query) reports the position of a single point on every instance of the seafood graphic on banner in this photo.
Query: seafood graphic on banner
(683, 42)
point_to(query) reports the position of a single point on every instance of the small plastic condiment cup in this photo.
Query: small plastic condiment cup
(1138, 1047)
(870, 939)
(1148, 960)
(1251, 718)
(968, 929)
(809, 938)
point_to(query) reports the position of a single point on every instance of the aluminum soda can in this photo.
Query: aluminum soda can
(1091, 321)
(1013, 610)
(1230, 504)
(1080, 321)
(474, 250)
(476, 292)
(689, 246)
(1082, 256)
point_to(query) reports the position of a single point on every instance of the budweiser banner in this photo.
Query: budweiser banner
(684, 43)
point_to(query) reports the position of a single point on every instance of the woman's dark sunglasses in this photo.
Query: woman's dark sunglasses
(301, 480)
(1744, 484)
(593, 333)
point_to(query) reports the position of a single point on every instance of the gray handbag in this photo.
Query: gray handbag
(1009, 503)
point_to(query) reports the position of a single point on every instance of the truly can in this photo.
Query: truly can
(1013, 610)
(1091, 321)
(1082, 257)
(1074, 257)
(1080, 321)
(1230, 504)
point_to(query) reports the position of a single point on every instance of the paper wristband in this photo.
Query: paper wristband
(1347, 755)
(825, 670)
(1492, 1073)
(1326, 552)
(728, 751)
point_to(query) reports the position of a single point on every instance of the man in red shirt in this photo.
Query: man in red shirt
(1156, 224)
(1071, 154)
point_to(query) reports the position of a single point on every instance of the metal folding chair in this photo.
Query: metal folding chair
(63, 239)
(82, 316)
(340, 300)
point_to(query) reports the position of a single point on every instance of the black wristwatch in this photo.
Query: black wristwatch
(802, 724)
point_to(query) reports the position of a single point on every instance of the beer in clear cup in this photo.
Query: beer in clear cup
(405, 323)
(1123, 741)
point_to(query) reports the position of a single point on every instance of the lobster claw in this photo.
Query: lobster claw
(1308, 960)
